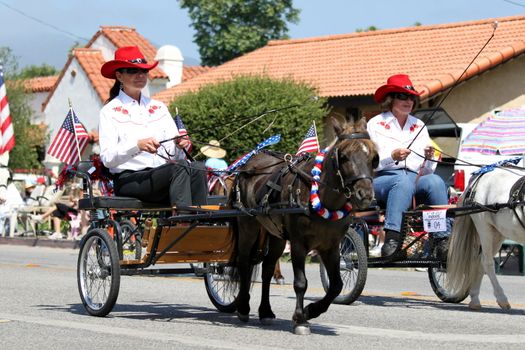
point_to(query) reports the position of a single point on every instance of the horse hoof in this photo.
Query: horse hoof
(301, 329)
(504, 305)
(280, 281)
(474, 307)
(266, 321)
(243, 318)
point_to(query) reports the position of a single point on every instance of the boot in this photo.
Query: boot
(392, 243)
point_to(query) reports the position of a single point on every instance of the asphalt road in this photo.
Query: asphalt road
(41, 309)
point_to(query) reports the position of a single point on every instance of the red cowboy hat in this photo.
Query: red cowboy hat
(126, 57)
(396, 83)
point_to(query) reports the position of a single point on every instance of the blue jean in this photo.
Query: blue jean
(394, 190)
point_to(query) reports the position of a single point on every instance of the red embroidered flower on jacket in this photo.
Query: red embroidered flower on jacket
(414, 127)
(121, 110)
(152, 109)
(385, 125)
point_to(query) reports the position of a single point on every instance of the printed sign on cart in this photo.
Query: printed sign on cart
(435, 220)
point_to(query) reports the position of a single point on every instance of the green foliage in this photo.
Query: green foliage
(226, 29)
(368, 29)
(33, 71)
(24, 154)
(219, 111)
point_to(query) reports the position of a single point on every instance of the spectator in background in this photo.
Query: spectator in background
(215, 155)
(67, 212)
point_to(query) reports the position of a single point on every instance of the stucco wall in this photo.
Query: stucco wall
(35, 102)
(500, 88)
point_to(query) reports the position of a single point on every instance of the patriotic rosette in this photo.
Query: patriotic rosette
(315, 201)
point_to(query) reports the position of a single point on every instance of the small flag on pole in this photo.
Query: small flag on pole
(7, 135)
(182, 130)
(310, 142)
(70, 141)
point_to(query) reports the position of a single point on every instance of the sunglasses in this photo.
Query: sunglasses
(404, 97)
(135, 70)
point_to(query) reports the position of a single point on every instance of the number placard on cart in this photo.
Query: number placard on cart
(435, 220)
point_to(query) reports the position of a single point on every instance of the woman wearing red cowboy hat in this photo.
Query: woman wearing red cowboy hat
(402, 172)
(130, 130)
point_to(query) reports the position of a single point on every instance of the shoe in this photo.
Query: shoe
(375, 252)
(56, 235)
(392, 243)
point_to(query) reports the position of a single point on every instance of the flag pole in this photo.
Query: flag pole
(74, 129)
(316, 138)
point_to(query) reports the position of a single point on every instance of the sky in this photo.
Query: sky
(47, 29)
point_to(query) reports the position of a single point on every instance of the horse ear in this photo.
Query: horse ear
(360, 123)
(338, 127)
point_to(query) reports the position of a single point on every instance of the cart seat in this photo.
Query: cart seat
(118, 203)
(130, 203)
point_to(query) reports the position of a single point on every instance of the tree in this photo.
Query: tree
(368, 29)
(33, 71)
(226, 29)
(24, 154)
(224, 110)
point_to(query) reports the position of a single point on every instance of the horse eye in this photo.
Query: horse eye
(375, 161)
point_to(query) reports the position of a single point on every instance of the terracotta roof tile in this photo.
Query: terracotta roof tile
(91, 60)
(357, 63)
(190, 72)
(40, 84)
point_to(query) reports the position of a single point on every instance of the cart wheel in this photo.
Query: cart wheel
(98, 272)
(131, 242)
(221, 286)
(354, 267)
(438, 278)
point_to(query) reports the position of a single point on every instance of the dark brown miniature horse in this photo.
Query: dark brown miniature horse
(223, 186)
(346, 176)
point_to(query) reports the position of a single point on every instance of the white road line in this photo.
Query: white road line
(137, 333)
(418, 335)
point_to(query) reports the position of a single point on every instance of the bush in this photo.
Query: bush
(220, 111)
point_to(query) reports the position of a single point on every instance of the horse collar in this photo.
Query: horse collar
(315, 201)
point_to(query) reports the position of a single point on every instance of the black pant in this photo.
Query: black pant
(179, 183)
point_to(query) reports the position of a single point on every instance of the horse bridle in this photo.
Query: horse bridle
(349, 183)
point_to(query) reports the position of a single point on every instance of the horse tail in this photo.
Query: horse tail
(464, 260)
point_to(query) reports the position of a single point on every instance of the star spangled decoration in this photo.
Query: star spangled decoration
(490, 167)
(272, 140)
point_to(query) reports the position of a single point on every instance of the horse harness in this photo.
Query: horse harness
(268, 196)
(516, 198)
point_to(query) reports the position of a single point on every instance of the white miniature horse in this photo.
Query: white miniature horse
(487, 229)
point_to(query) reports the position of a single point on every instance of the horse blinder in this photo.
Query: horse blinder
(348, 183)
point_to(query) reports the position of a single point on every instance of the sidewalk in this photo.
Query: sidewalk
(40, 242)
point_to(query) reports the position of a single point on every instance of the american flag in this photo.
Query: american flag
(183, 131)
(7, 135)
(310, 142)
(241, 161)
(64, 146)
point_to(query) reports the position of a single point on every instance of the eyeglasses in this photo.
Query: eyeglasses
(404, 97)
(135, 70)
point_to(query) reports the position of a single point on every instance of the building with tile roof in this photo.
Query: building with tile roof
(39, 89)
(81, 83)
(348, 68)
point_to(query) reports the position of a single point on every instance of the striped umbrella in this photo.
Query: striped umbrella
(502, 133)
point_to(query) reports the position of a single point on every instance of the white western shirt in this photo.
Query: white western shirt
(387, 134)
(124, 121)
